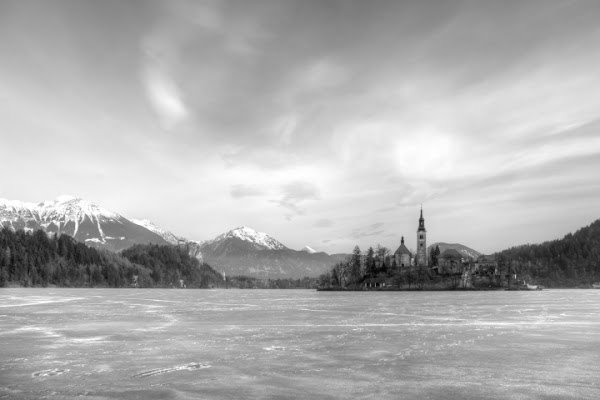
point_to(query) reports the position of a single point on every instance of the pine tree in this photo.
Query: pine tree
(435, 255)
(355, 264)
(370, 263)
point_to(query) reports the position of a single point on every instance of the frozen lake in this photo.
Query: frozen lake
(232, 344)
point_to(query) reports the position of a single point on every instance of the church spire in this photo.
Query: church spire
(402, 240)
(421, 258)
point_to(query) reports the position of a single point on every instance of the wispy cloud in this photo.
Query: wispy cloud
(367, 231)
(295, 194)
(164, 96)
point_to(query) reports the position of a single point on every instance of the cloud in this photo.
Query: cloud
(294, 194)
(206, 14)
(477, 111)
(164, 96)
(369, 230)
(324, 223)
(239, 191)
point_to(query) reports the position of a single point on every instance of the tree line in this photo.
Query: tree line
(248, 282)
(571, 261)
(375, 263)
(37, 259)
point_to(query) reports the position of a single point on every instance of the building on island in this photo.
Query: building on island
(486, 265)
(374, 282)
(402, 256)
(450, 262)
(414, 268)
(404, 259)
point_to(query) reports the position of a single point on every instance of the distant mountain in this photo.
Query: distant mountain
(340, 257)
(84, 221)
(241, 251)
(192, 246)
(308, 249)
(467, 252)
(244, 251)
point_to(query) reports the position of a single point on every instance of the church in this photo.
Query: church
(403, 256)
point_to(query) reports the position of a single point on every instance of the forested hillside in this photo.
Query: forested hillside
(168, 265)
(571, 261)
(36, 259)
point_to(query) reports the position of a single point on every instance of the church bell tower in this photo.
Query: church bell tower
(421, 259)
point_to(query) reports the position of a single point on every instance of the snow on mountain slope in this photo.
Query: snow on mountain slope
(167, 235)
(67, 209)
(12, 211)
(262, 240)
(76, 217)
(308, 249)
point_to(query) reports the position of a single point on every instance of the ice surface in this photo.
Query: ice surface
(230, 344)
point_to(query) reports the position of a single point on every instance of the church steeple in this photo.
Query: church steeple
(402, 240)
(421, 258)
(421, 220)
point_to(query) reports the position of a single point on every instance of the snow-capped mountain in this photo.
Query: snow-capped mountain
(261, 241)
(79, 218)
(241, 251)
(13, 211)
(244, 251)
(308, 249)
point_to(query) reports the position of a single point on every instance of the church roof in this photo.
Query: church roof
(451, 253)
(402, 250)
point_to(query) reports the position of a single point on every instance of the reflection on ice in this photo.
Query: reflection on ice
(160, 371)
(49, 372)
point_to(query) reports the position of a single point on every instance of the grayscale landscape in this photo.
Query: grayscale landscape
(231, 344)
(299, 199)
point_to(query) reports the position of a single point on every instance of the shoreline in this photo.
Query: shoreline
(433, 290)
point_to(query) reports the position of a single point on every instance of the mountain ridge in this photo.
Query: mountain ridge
(259, 240)
(244, 251)
(240, 251)
(83, 220)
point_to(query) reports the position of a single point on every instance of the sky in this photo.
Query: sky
(322, 123)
